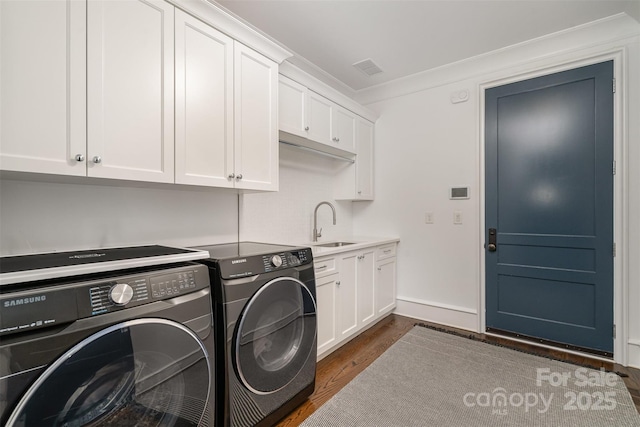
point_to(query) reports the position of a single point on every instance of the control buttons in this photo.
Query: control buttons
(121, 294)
(276, 261)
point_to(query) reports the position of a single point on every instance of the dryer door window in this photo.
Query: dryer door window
(276, 335)
(141, 372)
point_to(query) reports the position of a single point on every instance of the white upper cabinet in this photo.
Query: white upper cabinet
(256, 120)
(43, 86)
(320, 119)
(204, 104)
(343, 129)
(292, 107)
(364, 160)
(88, 88)
(130, 90)
(310, 117)
(355, 181)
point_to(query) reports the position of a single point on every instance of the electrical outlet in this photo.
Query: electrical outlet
(457, 217)
(428, 218)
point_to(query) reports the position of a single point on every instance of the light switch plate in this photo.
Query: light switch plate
(428, 218)
(457, 217)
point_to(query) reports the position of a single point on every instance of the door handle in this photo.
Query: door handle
(492, 246)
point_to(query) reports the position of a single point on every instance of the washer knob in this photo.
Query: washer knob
(276, 261)
(121, 294)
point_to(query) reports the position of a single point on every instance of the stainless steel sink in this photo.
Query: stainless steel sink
(334, 244)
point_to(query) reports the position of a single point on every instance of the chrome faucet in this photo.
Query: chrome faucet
(317, 233)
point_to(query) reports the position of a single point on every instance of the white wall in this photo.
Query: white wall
(44, 216)
(425, 144)
(287, 216)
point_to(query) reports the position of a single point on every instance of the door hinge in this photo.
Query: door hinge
(614, 331)
(614, 250)
(614, 85)
(614, 167)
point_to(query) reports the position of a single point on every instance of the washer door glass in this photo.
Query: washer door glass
(145, 372)
(276, 335)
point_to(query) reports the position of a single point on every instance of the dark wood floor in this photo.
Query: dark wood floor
(341, 366)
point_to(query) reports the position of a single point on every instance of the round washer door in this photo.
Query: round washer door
(150, 372)
(275, 336)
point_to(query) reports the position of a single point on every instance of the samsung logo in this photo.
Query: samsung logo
(238, 261)
(86, 256)
(24, 301)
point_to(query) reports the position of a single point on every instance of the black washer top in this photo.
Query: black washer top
(13, 264)
(243, 249)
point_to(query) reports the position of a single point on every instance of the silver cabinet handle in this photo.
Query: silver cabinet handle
(337, 139)
(379, 268)
(306, 128)
(232, 175)
(97, 159)
(239, 177)
(322, 267)
(79, 157)
(338, 283)
(359, 191)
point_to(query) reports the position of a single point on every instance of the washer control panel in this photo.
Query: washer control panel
(233, 268)
(41, 306)
(132, 291)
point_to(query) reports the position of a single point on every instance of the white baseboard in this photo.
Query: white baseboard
(444, 314)
(634, 353)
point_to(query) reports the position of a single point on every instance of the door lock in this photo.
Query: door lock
(492, 246)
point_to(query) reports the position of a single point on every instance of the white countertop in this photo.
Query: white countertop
(357, 243)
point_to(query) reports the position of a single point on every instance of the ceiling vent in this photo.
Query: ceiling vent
(368, 67)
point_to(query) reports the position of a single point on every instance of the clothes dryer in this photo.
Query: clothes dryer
(266, 327)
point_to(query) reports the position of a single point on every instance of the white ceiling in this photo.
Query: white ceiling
(405, 37)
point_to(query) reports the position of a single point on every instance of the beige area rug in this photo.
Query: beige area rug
(431, 378)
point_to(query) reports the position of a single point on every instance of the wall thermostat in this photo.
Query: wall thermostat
(459, 193)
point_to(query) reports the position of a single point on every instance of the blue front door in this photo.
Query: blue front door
(549, 208)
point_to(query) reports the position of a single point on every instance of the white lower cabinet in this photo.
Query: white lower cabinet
(326, 311)
(354, 289)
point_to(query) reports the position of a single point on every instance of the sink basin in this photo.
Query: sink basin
(334, 244)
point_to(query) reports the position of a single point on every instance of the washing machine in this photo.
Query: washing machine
(115, 337)
(266, 328)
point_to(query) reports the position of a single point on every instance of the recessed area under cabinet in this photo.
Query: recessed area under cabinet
(354, 289)
(98, 81)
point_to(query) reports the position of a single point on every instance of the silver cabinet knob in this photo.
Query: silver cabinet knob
(232, 175)
(306, 128)
(337, 139)
(239, 177)
(79, 157)
(338, 283)
(359, 191)
(97, 159)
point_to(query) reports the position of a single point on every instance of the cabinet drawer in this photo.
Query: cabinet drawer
(387, 251)
(324, 266)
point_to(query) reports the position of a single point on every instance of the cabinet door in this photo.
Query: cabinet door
(366, 286)
(130, 90)
(292, 107)
(344, 130)
(256, 120)
(43, 86)
(326, 311)
(346, 295)
(386, 285)
(204, 104)
(320, 117)
(364, 160)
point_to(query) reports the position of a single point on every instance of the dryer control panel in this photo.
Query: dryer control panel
(258, 264)
(56, 303)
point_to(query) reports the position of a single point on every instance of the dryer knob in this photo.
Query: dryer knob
(276, 261)
(121, 294)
